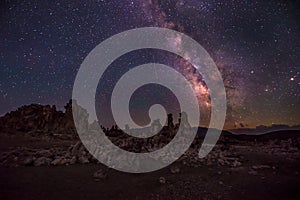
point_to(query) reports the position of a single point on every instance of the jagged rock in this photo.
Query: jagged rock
(37, 120)
(42, 161)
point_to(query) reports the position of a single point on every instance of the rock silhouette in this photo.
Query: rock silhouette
(39, 119)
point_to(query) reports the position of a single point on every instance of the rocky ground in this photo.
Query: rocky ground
(41, 157)
(62, 169)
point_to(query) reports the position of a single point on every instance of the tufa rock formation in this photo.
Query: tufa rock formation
(36, 119)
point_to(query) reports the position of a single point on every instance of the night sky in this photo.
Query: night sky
(255, 45)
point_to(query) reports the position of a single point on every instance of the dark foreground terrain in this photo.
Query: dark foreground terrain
(245, 170)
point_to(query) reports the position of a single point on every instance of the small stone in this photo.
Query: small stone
(73, 160)
(100, 174)
(261, 167)
(174, 169)
(236, 163)
(44, 153)
(75, 149)
(252, 172)
(83, 160)
(56, 161)
(59, 161)
(221, 161)
(162, 180)
(42, 161)
(28, 161)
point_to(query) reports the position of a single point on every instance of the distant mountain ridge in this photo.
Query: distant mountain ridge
(264, 129)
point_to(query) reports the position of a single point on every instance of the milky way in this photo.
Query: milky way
(255, 45)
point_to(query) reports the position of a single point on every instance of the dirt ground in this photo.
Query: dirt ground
(281, 180)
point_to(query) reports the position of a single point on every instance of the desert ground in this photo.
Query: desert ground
(268, 169)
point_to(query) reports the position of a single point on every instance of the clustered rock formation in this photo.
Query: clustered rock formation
(45, 157)
(38, 120)
(43, 119)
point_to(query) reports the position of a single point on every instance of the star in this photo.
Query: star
(42, 48)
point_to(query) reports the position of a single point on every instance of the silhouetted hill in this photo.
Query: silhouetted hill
(264, 129)
(280, 135)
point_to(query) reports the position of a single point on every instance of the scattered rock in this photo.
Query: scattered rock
(44, 153)
(174, 169)
(252, 172)
(75, 150)
(100, 174)
(28, 160)
(237, 169)
(59, 161)
(42, 161)
(83, 160)
(256, 167)
(162, 180)
(73, 160)
(236, 163)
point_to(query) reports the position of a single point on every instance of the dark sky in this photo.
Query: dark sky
(255, 44)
